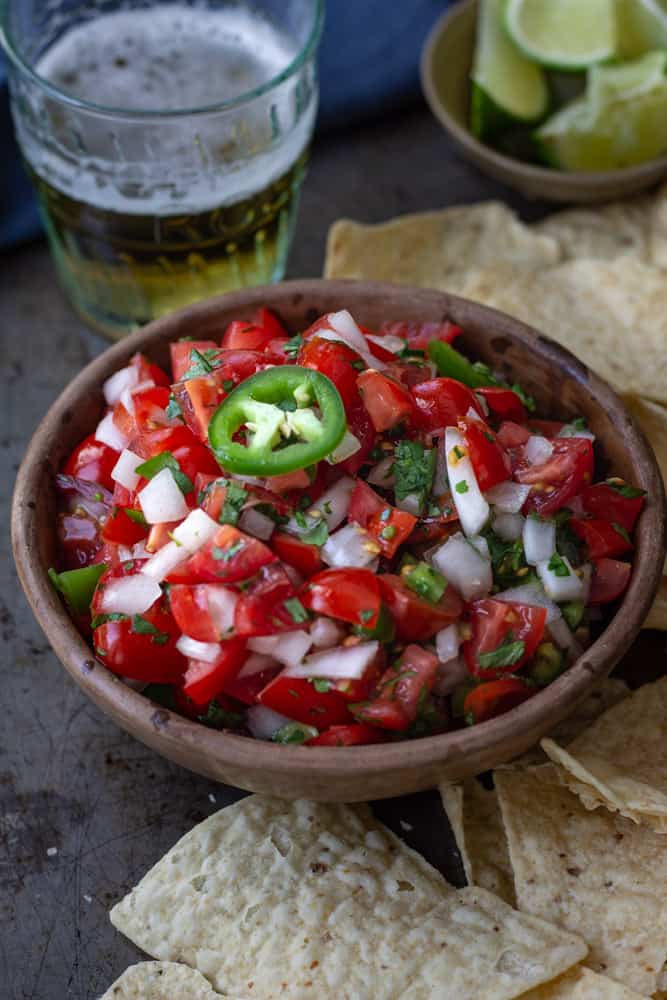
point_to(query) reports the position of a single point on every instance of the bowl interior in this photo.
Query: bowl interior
(446, 65)
(562, 386)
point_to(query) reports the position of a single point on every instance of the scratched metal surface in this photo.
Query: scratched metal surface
(84, 809)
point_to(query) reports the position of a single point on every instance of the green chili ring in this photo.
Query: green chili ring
(265, 400)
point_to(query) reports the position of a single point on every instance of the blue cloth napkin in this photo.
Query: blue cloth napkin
(369, 64)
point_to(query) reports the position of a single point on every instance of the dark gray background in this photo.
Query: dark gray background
(69, 779)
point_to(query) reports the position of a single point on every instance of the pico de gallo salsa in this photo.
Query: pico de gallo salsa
(338, 537)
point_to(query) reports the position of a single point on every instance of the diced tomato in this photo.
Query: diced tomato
(560, 478)
(122, 530)
(364, 503)
(261, 609)
(500, 623)
(401, 690)
(387, 401)
(124, 421)
(503, 403)
(601, 537)
(181, 351)
(216, 492)
(198, 399)
(203, 681)
(195, 614)
(149, 371)
(378, 351)
(269, 321)
(434, 529)
(241, 335)
(356, 734)
(418, 335)
(303, 557)
(610, 579)
(159, 535)
(360, 424)
(362, 687)
(511, 435)
(246, 686)
(409, 372)
(93, 461)
(391, 527)
(351, 595)
(489, 459)
(297, 480)
(149, 408)
(229, 557)
(296, 698)
(603, 501)
(442, 402)
(416, 618)
(547, 428)
(496, 697)
(337, 361)
(192, 456)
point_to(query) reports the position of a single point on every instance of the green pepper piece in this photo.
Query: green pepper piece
(452, 364)
(384, 629)
(259, 405)
(573, 613)
(426, 582)
(295, 732)
(547, 665)
(78, 585)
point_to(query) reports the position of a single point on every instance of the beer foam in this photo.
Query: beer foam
(168, 58)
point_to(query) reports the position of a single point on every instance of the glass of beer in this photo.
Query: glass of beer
(167, 142)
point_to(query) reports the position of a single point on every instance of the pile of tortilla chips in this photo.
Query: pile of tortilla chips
(592, 279)
(567, 894)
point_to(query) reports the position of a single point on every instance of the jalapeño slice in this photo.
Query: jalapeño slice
(290, 417)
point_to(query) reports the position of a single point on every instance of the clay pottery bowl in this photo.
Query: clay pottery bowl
(445, 73)
(562, 386)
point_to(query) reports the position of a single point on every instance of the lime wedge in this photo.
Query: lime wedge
(621, 121)
(506, 87)
(642, 26)
(563, 34)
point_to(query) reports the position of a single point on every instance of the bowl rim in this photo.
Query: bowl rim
(529, 172)
(246, 753)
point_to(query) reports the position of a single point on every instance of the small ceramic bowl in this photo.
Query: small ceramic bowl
(445, 72)
(562, 386)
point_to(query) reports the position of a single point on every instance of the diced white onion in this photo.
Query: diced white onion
(161, 499)
(472, 508)
(139, 550)
(389, 342)
(254, 523)
(537, 450)
(255, 664)
(562, 588)
(165, 561)
(128, 393)
(539, 540)
(326, 633)
(343, 663)
(411, 504)
(531, 593)
(345, 327)
(197, 529)
(124, 378)
(130, 595)
(124, 553)
(382, 474)
(508, 497)
(348, 447)
(107, 432)
(333, 505)
(447, 642)
(568, 431)
(221, 603)
(509, 527)
(264, 723)
(481, 544)
(449, 675)
(193, 649)
(465, 568)
(251, 480)
(349, 546)
(123, 471)
(288, 648)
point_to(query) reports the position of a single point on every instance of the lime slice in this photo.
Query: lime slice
(612, 127)
(642, 26)
(506, 87)
(563, 34)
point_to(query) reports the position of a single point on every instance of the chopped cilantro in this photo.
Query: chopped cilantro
(294, 732)
(135, 515)
(489, 436)
(573, 613)
(326, 507)
(296, 610)
(508, 559)
(141, 626)
(557, 565)
(527, 400)
(219, 717)
(174, 411)
(202, 362)
(414, 469)
(568, 544)
(619, 529)
(313, 532)
(366, 614)
(461, 487)
(359, 365)
(103, 619)
(227, 384)
(165, 460)
(291, 348)
(625, 490)
(98, 496)
(235, 497)
(321, 684)
(578, 424)
(505, 655)
(224, 555)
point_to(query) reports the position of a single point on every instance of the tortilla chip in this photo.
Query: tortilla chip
(480, 837)
(595, 873)
(604, 233)
(621, 761)
(652, 418)
(270, 899)
(160, 981)
(609, 692)
(433, 249)
(582, 984)
(452, 803)
(657, 616)
(608, 313)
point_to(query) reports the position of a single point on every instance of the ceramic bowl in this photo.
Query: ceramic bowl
(445, 73)
(562, 386)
